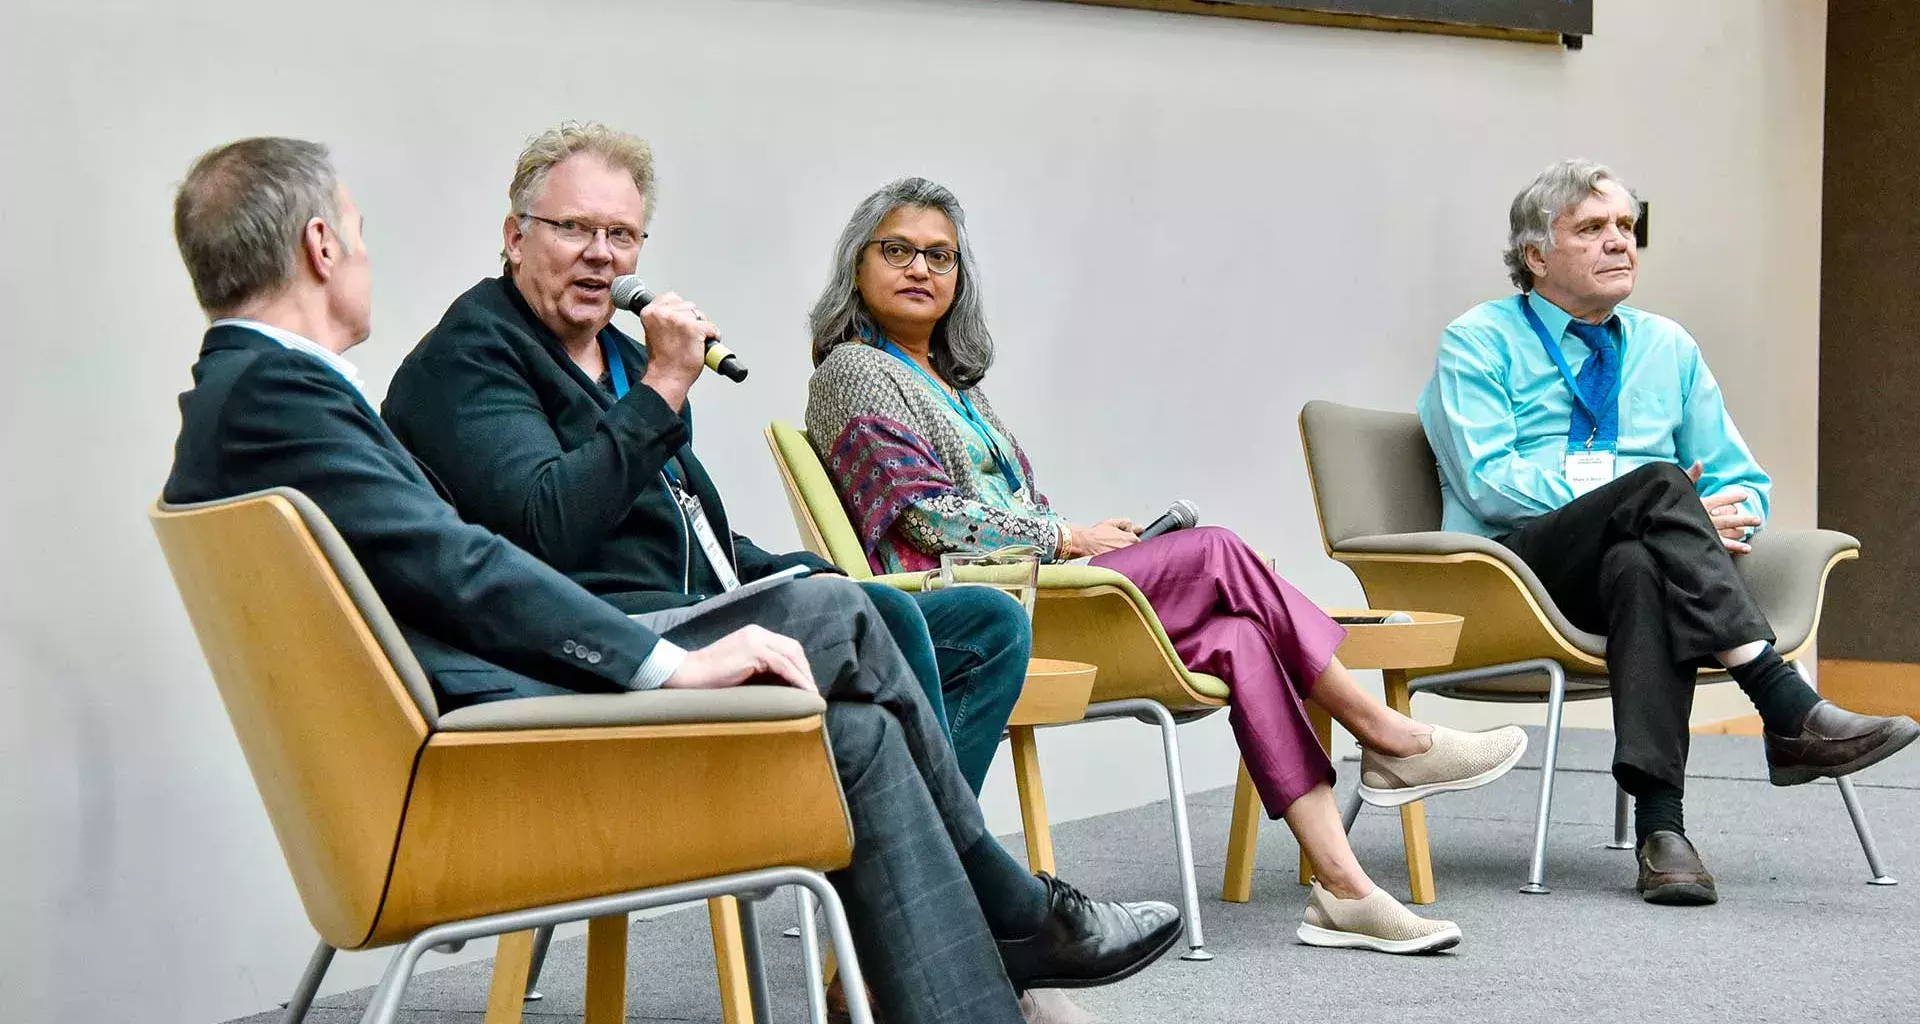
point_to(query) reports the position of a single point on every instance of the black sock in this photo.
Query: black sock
(1012, 898)
(1657, 809)
(1777, 691)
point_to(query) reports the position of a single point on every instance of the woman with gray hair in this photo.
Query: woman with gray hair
(924, 466)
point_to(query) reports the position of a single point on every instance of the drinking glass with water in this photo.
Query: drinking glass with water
(1013, 570)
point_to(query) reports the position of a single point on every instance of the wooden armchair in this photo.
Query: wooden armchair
(401, 825)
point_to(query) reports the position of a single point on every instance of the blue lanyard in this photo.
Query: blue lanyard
(1606, 419)
(616, 369)
(617, 375)
(964, 407)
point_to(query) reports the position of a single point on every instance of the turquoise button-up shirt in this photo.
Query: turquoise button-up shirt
(1497, 413)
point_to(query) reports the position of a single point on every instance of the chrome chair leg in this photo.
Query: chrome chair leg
(309, 984)
(1156, 713)
(750, 951)
(1556, 708)
(542, 938)
(1621, 814)
(1860, 828)
(852, 981)
(1350, 811)
(1875, 865)
(812, 965)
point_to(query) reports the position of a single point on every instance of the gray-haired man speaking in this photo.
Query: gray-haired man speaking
(1590, 438)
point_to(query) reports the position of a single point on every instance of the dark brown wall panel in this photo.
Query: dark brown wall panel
(1870, 327)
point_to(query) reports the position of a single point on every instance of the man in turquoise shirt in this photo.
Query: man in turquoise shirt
(1590, 438)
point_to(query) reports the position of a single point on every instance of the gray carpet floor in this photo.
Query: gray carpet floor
(1798, 935)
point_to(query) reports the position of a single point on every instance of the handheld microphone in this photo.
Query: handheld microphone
(630, 293)
(1179, 516)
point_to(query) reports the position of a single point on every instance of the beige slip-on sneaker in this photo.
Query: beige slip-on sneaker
(1377, 921)
(1456, 761)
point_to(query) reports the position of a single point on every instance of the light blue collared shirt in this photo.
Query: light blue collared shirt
(659, 664)
(1497, 412)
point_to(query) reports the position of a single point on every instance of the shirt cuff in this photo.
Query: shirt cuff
(661, 664)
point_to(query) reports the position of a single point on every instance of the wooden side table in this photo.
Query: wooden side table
(1393, 648)
(1056, 693)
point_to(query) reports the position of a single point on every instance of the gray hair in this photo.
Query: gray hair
(543, 152)
(1554, 191)
(962, 348)
(239, 215)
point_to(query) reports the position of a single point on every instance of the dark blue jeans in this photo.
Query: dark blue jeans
(969, 647)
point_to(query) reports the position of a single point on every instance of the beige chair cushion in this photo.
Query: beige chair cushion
(1784, 575)
(648, 707)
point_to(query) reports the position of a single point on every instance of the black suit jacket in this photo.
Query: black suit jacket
(529, 446)
(486, 620)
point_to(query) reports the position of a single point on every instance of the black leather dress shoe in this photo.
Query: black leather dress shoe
(1083, 942)
(1835, 742)
(1671, 872)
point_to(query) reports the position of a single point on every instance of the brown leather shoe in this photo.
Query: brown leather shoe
(1671, 872)
(1836, 742)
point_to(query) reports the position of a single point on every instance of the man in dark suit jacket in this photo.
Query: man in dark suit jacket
(556, 429)
(272, 243)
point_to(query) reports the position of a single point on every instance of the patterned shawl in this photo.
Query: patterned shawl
(888, 444)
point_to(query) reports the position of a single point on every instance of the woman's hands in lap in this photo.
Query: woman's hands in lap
(1102, 537)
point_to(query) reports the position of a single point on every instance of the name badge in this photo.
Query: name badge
(709, 544)
(1586, 470)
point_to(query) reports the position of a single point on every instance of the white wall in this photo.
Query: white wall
(1188, 227)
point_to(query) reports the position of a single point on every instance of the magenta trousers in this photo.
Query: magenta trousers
(1230, 615)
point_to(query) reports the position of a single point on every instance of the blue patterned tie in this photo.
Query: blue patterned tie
(1596, 381)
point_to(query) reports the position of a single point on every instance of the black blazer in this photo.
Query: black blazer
(529, 446)
(486, 620)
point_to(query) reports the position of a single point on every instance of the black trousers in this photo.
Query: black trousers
(1639, 560)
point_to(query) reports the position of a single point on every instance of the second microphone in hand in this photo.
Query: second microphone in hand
(631, 294)
(1179, 516)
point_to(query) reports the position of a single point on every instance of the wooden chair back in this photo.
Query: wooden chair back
(329, 729)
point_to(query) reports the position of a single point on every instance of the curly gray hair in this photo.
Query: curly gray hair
(962, 348)
(1554, 191)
